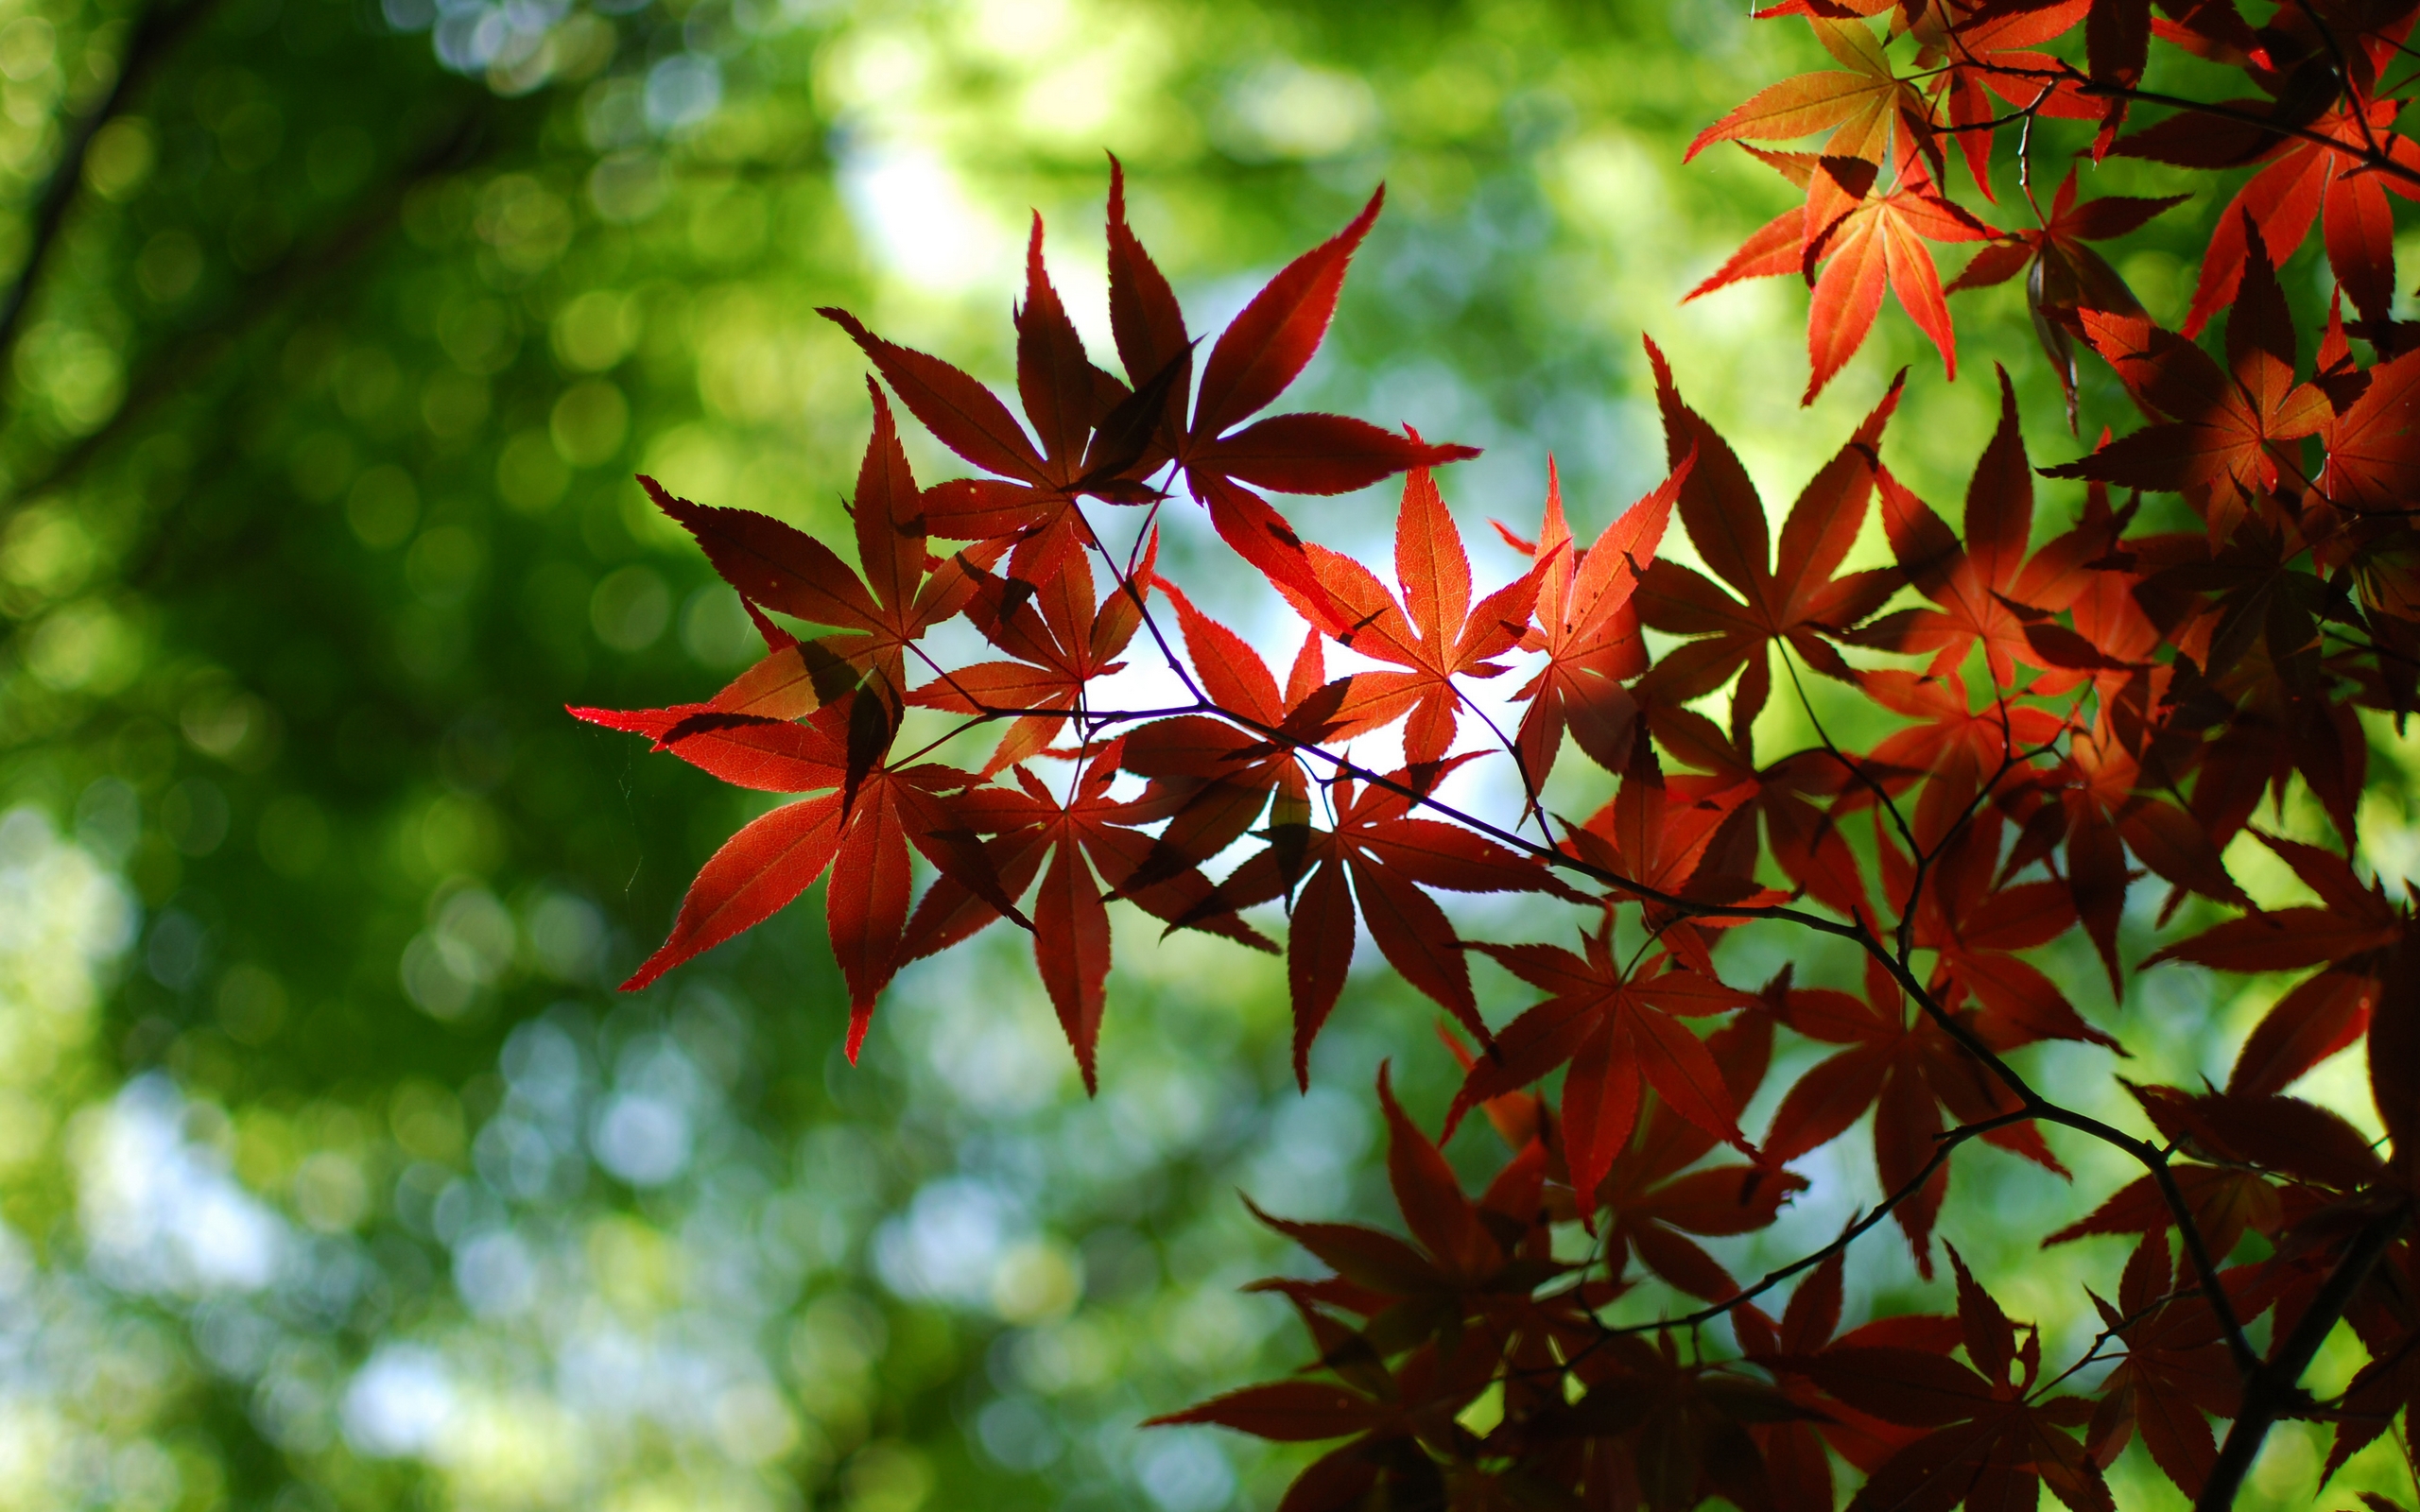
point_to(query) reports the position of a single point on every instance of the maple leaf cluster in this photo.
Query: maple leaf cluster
(2084, 725)
(1886, 180)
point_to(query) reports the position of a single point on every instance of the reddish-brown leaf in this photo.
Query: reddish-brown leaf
(1429, 1194)
(1274, 336)
(1800, 602)
(1288, 1411)
(967, 418)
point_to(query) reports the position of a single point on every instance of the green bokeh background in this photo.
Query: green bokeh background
(334, 1173)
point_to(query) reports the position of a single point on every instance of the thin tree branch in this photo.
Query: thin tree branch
(2031, 1103)
(155, 36)
(1945, 1142)
(2275, 1386)
(169, 371)
(2377, 161)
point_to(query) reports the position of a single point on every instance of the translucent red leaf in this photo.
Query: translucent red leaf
(1319, 454)
(777, 565)
(1797, 107)
(1776, 248)
(1055, 380)
(1823, 1101)
(1143, 313)
(651, 723)
(1071, 946)
(1260, 536)
(1366, 1257)
(1814, 1311)
(1230, 671)
(2279, 941)
(1274, 336)
(792, 681)
(1289, 1412)
(1899, 1385)
(754, 875)
(2374, 446)
(1428, 1192)
(1677, 1064)
(888, 513)
(1431, 564)
(2394, 1054)
(1718, 504)
(1991, 1340)
(1319, 952)
(865, 910)
(964, 415)
(1417, 939)
(2310, 1023)
(769, 755)
(1601, 1102)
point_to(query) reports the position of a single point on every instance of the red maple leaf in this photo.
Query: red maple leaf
(2225, 441)
(860, 834)
(1075, 843)
(2226, 1202)
(1452, 1299)
(1956, 743)
(1853, 243)
(1062, 639)
(1222, 773)
(1803, 839)
(2318, 1152)
(1389, 1411)
(2105, 815)
(1665, 839)
(2064, 277)
(1983, 587)
(1800, 601)
(1976, 925)
(1064, 397)
(1655, 1200)
(1876, 244)
(2306, 182)
(1809, 1330)
(1993, 1442)
(1616, 1026)
(1435, 633)
(1102, 437)
(2374, 443)
(905, 593)
(2175, 1370)
(1376, 861)
(1991, 52)
(1870, 111)
(1901, 1064)
(2354, 934)
(1254, 361)
(1651, 1431)
(1466, 1263)
(1588, 630)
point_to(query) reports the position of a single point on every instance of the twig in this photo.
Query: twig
(2274, 1386)
(1944, 1143)
(171, 370)
(161, 27)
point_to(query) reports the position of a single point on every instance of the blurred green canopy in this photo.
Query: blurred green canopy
(334, 1173)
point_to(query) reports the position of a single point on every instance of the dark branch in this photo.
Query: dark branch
(155, 36)
(2275, 1387)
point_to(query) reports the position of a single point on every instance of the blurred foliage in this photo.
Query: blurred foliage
(334, 1173)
